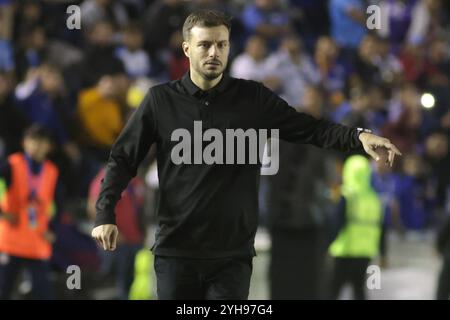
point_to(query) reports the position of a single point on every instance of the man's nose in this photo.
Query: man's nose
(213, 51)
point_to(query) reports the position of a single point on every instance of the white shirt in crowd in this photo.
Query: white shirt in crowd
(294, 77)
(245, 67)
(137, 63)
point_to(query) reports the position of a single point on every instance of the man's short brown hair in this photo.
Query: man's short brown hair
(205, 18)
(37, 132)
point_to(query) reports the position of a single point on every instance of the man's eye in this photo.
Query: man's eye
(204, 45)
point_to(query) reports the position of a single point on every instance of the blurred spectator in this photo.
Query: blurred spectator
(390, 66)
(100, 58)
(143, 282)
(135, 59)
(396, 17)
(6, 56)
(178, 63)
(293, 69)
(135, 8)
(310, 19)
(32, 51)
(252, 63)
(367, 60)
(39, 98)
(160, 21)
(101, 112)
(407, 21)
(359, 219)
(405, 119)
(55, 18)
(299, 201)
(131, 237)
(331, 74)
(422, 24)
(437, 72)
(330, 71)
(377, 113)
(12, 121)
(63, 55)
(268, 19)
(93, 11)
(445, 121)
(313, 102)
(348, 24)
(383, 182)
(25, 238)
(351, 113)
(443, 247)
(29, 15)
(414, 194)
(438, 157)
(220, 5)
(6, 19)
(42, 99)
(413, 59)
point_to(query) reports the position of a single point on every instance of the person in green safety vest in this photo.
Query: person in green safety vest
(142, 286)
(357, 242)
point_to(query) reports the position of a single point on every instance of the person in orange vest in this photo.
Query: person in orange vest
(25, 212)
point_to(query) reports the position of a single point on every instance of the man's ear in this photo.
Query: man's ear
(185, 47)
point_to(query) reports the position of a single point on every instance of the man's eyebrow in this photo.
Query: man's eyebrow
(209, 41)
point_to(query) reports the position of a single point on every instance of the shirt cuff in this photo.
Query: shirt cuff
(356, 134)
(103, 218)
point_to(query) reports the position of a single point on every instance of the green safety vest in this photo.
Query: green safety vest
(360, 236)
(142, 286)
(2, 188)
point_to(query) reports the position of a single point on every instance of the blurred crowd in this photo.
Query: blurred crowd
(81, 85)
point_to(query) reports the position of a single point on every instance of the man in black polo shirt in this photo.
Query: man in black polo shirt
(207, 215)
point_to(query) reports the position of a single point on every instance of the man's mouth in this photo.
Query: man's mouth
(213, 63)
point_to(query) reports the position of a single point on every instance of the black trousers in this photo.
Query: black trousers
(353, 271)
(198, 279)
(443, 288)
(296, 264)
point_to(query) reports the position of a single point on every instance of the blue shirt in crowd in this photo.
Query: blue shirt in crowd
(39, 108)
(345, 30)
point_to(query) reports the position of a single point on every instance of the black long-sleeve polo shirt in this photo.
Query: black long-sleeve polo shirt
(207, 211)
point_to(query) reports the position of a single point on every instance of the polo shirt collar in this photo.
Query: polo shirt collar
(192, 89)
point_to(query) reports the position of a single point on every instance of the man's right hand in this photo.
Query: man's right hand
(106, 236)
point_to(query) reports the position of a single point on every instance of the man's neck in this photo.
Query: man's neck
(202, 83)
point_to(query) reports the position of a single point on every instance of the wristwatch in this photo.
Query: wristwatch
(361, 130)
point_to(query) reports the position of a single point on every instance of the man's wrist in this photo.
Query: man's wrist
(102, 218)
(360, 131)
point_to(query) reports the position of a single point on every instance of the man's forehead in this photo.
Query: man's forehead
(219, 33)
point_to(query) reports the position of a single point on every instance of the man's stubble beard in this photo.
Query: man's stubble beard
(212, 75)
